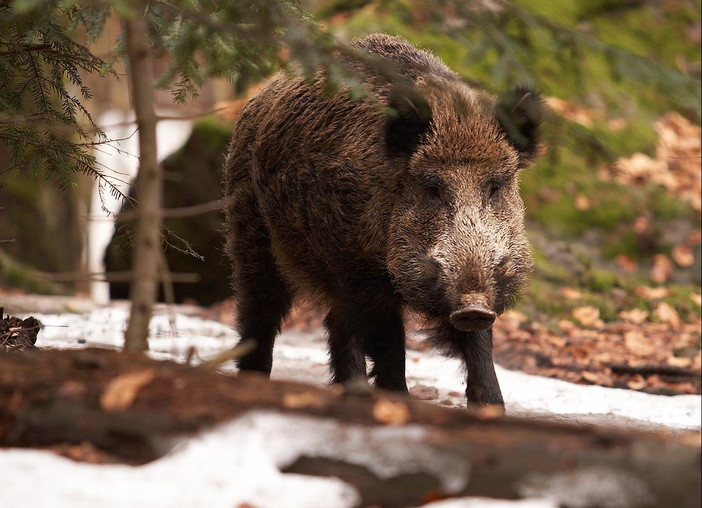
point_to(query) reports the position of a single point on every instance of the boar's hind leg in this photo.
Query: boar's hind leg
(263, 298)
(262, 307)
(380, 335)
(346, 357)
(482, 387)
(260, 313)
(384, 341)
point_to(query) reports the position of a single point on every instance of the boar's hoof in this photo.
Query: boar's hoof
(472, 318)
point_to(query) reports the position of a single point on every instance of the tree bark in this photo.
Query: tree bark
(149, 185)
(131, 405)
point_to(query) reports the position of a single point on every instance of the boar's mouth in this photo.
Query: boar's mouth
(473, 315)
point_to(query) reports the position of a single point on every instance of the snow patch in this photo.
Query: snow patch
(233, 464)
(385, 451)
(589, 486)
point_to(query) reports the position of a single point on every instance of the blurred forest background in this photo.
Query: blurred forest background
(613, 205)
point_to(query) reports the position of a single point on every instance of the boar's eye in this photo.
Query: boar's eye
(434, 189)
(493, 191)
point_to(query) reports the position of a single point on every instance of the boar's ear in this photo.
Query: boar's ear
(519, 113)
(408, 120)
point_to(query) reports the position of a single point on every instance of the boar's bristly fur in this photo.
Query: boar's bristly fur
(407, 200)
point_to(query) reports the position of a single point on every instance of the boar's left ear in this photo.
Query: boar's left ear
(408, 120)
(519, 113)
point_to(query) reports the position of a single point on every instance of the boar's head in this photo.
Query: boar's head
(457, 248)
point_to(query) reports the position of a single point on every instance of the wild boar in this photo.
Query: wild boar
(405, 200)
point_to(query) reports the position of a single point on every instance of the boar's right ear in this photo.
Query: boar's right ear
(519, 113)
(408, 120)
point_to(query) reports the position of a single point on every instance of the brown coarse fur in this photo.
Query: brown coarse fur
(407, 199)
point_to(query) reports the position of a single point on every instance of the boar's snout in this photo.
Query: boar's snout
(473, 315)
(472, 318)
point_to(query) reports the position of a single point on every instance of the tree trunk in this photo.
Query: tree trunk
(149, 187)
(131, 405)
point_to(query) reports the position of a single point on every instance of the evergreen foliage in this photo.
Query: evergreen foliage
(43, 114)
(43, 95)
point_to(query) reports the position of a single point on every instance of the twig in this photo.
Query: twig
(181, 212)
(123, 276)
(650, 370)
(241, 349)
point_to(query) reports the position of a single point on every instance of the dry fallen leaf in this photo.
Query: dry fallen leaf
(566, 325)
(662, 268)
(626, 263)
(697, 298)
(639, 168)
(636, 316)
(582, 202)
(592, 377)
(652, 293)
(679, 361)
(390, 413)
(637, 343)
(119, 394)
(489, 411)
(424, 392)
(676, 165)
(302, 399)
(511, 320)
(83, 452)
(588, 316)
(571, 294)
(559, 342)
(637, 383)
(573, 112)
(666, 313)
(683, 256)
(515, 315)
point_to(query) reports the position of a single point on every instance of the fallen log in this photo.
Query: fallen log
(132, 407)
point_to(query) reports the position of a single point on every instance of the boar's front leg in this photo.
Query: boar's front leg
(475, 349)
(482, 387)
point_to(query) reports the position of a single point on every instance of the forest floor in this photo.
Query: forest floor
(242, 461)
(632, 353)
(641, 357)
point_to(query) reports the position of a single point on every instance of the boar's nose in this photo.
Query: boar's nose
(472, 318)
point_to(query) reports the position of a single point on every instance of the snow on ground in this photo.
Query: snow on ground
(238, 463)
(301, 356)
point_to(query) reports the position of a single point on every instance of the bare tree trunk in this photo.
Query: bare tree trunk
(149, 186)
